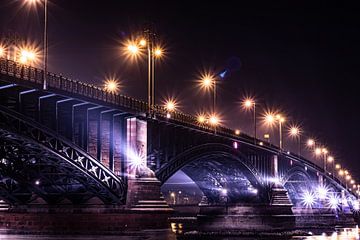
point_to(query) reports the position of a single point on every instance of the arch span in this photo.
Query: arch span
(36, 161)
(216, 168)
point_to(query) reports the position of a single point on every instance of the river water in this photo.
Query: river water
(339, 234)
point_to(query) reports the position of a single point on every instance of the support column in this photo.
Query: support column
(143, 192)
(279, 195)
(275, 167)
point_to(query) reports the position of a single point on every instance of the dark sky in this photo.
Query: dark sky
(302, 59)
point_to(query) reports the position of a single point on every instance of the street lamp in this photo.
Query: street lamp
(208, 82)
(111, 85)
(45, 37)
(324, 151)
(170, 106)
(136, 48)
(249, 104)
(27, 55)
(295, 132)
(331, 160)
(270, 119)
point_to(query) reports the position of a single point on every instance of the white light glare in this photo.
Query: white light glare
(322, 192)
(308, 199)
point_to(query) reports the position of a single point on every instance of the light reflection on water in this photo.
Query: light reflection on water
(343, 234)
(339, 234)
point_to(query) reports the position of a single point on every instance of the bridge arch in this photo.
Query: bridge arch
(226, 167)
(36, 161)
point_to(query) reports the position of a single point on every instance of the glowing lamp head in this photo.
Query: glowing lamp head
(32, 2)
(324, 150)
(168, 115)
(341, 173)
(346, 172)
(317, 151)
(214, 120)
(224, 191)
(352, 181)
(172, 194)
(2, 51)
(133, 49)
(111, 86)
(237, 132)
(142, 42)
(170, 105)
(158, 52)
(310, 142)
(37, 182)
(201, 118)
(269, 118)
(337, 166)
(348, 177)
(27, 56)
(330, 159)
(294, 131)
(248, 103)
(206, 82)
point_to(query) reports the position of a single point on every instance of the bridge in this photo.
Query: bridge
(76, 144)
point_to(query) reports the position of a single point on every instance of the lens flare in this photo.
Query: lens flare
(112, 86)
(170, 105)
(322, 192)
(206, 81)
(2, 51)
(308, 199)
(201, 118)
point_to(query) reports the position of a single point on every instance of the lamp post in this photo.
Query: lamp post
(281, 120)
(324, 152)
(337, 167)
(270, 119)
(45, 38)
(295, 132)
(134, 48)
(331, 160)
(45, 43)
(249, 104)
(208, 82)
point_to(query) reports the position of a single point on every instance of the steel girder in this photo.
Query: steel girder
(59, 156)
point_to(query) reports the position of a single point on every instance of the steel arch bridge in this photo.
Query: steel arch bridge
(75, 143)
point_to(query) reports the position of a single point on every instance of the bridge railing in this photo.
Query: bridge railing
(59, 82)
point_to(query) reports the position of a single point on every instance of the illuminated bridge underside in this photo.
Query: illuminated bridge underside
(35, 163)
(214, 174)
(216, 168)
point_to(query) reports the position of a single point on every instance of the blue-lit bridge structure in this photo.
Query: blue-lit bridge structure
(76, 143)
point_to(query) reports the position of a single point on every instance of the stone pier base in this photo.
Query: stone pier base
(245, 218)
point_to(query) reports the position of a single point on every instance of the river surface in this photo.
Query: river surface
(339, 234)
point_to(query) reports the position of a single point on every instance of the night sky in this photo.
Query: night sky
(301, 59)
